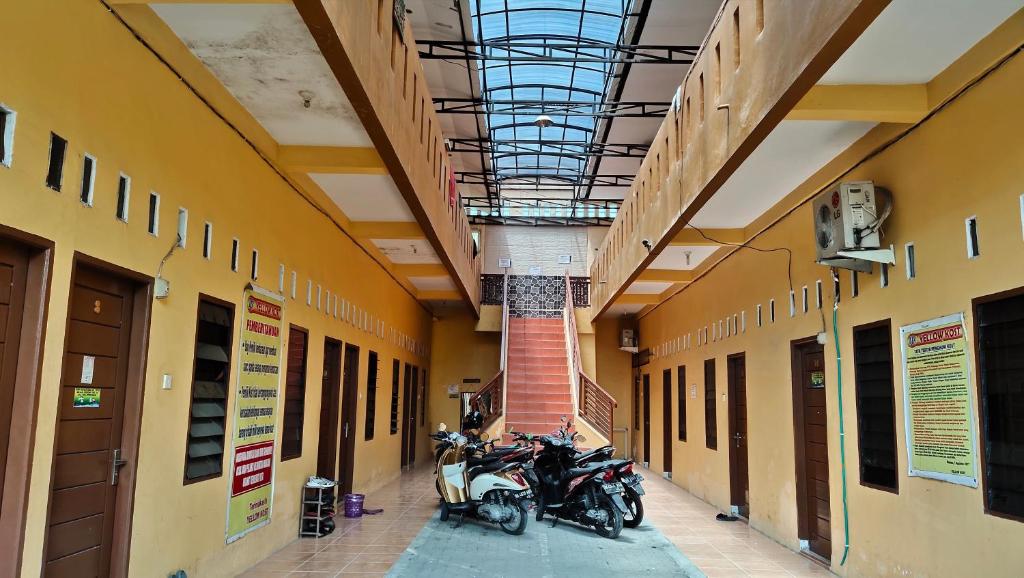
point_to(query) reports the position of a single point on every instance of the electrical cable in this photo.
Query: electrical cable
(746, 245)
(842, 427)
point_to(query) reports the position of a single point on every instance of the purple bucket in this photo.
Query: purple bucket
(354, 505)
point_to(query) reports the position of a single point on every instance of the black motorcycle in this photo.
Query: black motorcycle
(589, 495)
(632, 490)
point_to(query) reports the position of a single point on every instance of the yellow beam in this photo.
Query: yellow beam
(690, 236)
(638, 299)
(421, 270)
(347, 160)
(666, 275)
(387, 230)
(123, 2)
(898, 103)
(452, 295)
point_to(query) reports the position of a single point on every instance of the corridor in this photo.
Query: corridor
(380, 545)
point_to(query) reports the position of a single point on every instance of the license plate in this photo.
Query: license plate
(613, 488)
(630, 480)
(524, 494)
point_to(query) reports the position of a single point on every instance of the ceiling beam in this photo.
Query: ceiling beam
(666, 275)
(450, 295)
(421, 270)
(387, 230)
(690, 236)
(551, 50)
(903, 103)
(638, 299)
(332, 160)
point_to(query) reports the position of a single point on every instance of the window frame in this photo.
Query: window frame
(284, 394)
(887, 323)
(976, 303)
(228, 401)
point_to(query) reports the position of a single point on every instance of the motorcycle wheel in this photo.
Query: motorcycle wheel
(635, 515)
(444, 511)
(517, 525)
(613, 527)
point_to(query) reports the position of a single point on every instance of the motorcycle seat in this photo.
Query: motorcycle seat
(591, 453)
(583, 470)
(487, 468)
(482, 460)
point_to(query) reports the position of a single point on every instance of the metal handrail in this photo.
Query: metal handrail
(593, 403)
(490, 400)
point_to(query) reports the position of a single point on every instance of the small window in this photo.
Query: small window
(295, 283)
(55, 169)
(681, 401)
(911, 257)
(124, 190)
(999, 325)
(792, 303)
(254, 270)
(309, 292)
(1022, 215)
(836, 289)
(182, 227)
(817, 293)
(234, 255)
(7, 119)
(760, 320)
(854, 284)
(805, 305)
(207, 241)
(876, 409)
(88, 179)
(771, 310)
(211, 371)
(743, 321)
(280, 279)
(294, 394)
(710, 406)
(973, 250)
(883, 278)
(396, 376)
(154, 214)
(319, 297)
(371, 394)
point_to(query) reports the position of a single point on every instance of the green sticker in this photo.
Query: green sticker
(818, 379)
(86, 397)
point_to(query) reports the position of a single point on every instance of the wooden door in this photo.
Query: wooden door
(647, 418)
(811, 426)
(13, 271)
(406, 398)
(666, 420)
(330, 405)
(411, 417)
(739, 479)
(88, 462)
(350, 394)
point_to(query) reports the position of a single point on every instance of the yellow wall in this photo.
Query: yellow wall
(459, 352)
(965, 161)
(87, 79)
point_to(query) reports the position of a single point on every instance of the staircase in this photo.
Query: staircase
(539, 391)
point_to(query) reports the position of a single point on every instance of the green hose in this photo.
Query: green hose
(842, 429)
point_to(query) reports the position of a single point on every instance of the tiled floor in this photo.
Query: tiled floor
(370, 545)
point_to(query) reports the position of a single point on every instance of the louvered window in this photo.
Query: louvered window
(294, 394)
(396, 369)
(210, 376)
(710, 407)
(371, 395)
(1000, 334)
(681, 400)
(876, 420)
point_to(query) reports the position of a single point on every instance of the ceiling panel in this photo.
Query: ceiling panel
(365, 197)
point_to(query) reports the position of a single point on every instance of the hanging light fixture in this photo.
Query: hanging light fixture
(543, 121)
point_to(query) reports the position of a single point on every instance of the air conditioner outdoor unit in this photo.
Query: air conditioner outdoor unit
(847, 226)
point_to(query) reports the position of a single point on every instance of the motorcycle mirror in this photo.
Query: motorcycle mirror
(442, 427)
(484, 436)
(581, 439)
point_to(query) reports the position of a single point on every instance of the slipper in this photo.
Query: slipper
(726, 518)
(373, 512)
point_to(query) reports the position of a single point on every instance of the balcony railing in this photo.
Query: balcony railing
(593, 404)
(492, 289)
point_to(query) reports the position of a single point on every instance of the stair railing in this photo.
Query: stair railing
(593, 403)
(490, 399)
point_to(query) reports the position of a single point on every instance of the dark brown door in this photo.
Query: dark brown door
(815, 523)
(739, 479)
(406, 398)
(666, 420)
(350, 393)
(88, 459)
(330, 405)
(647, 419)
(13, 267)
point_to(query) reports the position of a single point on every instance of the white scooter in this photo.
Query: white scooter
(485, 487)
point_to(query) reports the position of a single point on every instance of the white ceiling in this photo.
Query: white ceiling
(794, 151)
(365, 197)
(674, 256)
(264, 55)
(913, 40)
(432, 283)
(647, 287)
(620, 309)
(407, 251)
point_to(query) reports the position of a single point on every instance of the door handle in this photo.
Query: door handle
(737, 437)
(115, 466)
